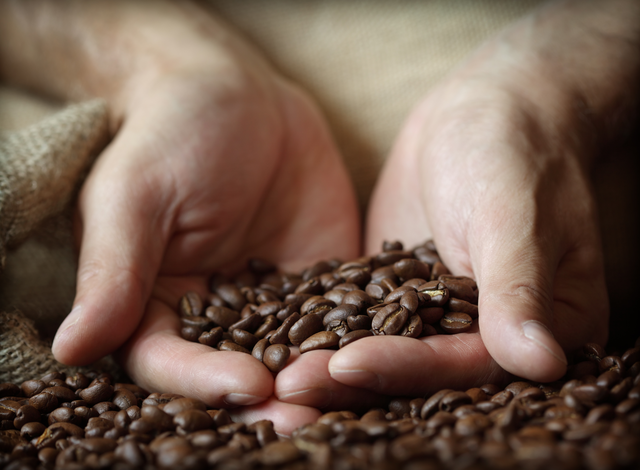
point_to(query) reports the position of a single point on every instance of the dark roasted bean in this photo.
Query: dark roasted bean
(275, 357)
(281, 335)
(433, 294)
(321, 340)
(456, 322)
(358, 322)
(304, 327)
(222, 316)
(190, 304)
(352, 336)
(390, 320)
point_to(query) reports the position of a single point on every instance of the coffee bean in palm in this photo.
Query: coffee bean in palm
(222, 316)
(458, 305)
(321, 340)
(456, 322)
(390, 320)
(433, 294)
(281, 335)
(190, 304)
(359, 322)
(275, 357)
(353, 336)
(231, 294)
(305, 327)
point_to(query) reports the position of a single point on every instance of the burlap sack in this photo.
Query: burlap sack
(41, 167)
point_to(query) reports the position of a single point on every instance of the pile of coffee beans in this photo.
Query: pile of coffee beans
(590, 420)
(331, 304)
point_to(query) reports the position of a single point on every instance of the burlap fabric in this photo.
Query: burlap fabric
(41, 168)
(367, 64)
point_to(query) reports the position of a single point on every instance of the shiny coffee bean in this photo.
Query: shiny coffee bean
(321, 340)
(456, 322)
(305, 327)
(275, 357)
(352, 336)
(390, 320)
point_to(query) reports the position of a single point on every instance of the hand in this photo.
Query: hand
(493, 165)
(216, 159)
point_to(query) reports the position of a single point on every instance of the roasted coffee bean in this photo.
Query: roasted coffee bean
(341, 313)
(270, 308)
(391, 257)
(211, 338)
(32, 387)
(231, 294)
(190, 304)
(413, 327)
(244, 338)
(396, 294)
(275, 357)
(410, 301)
(44, 402)
(259, 349)
(360, 299)
(433, 294)
(321, 340)
(340, 327)
(249, 323)
(269, 324)
(390, 320)
(458, 305)
(281, 335)
(430, 315)
(358, 322)
(317, 305)
(410, 268)
(222, 316)
(305, 327)
(96, 393)
(456, 322)
(229, 345)
(377, 292)
(352, 336)
(461, 288)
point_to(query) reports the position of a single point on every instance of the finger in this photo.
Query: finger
(158, 359)
(516, 282)
(396, 365)
(285, 416)
(124, 232)
(531, 299)
(306, 381)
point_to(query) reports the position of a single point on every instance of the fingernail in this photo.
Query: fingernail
(356, 378)
(542, 336)
(242, 399)
(316, 397)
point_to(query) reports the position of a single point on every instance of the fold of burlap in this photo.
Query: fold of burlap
(41, 167)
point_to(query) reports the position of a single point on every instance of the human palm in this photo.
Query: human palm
(203, 175)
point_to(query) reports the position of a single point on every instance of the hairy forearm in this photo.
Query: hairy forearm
(74, 49)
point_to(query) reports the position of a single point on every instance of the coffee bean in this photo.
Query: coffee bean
(259, 348)
(358, 322)
(275, 357)
(190, 304)
(456, 322)
(433, 294)
(270, 323)
(281, 335)
(360, 299)
(410, 268)
(231, 294)
(244, 338)
(211, 338)
(390, 320)
(305, 327)
(413, 327)
(321, 340)
(352, 336)
(458, 305)
(222, 316)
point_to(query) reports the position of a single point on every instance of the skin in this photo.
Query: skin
(198, 116)
(494, 165)
(215, 159)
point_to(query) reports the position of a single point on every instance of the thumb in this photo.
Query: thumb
(120, 253)
(516, 280)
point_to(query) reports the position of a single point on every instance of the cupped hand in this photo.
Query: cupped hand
(493, 165)
(215, 161)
